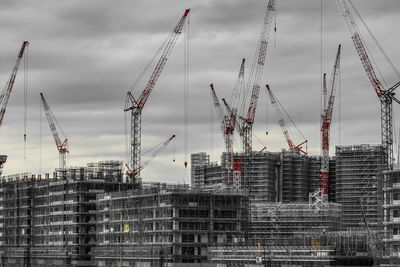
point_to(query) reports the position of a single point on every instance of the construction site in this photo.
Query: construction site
(251, 208)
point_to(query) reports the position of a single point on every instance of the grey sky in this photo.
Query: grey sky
(84, 55)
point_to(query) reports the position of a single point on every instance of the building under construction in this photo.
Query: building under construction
(50, 221)
(90, 216)
(284, 224)
(166, 224)
(359, 178)
(285, 176)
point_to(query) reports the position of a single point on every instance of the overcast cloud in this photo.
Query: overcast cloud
(84, 56)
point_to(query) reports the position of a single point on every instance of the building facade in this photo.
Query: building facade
(359, 178)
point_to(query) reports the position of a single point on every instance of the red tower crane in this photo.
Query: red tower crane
(135, 106)
(233, 117)
(156, 150)
(326, 119)
(237, 91)
(386, 96)
(282, 124)
(5, 96)
(248, 121)
(61, 146)
(227, 133)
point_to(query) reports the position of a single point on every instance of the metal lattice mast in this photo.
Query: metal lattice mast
(136, 106)
(62, 147)
(5, 96)
(282, 124)
(262, 51)
(326, 119)
(386, 97)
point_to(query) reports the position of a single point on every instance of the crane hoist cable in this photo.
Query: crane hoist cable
(26, 65)
(186, 91)
(40, 136)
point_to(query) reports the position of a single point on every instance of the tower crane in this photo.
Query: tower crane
(326, 119)
(5, 96)
(62, 147)
(135, 105)
(385, 96)
(227, 123)
(282, 124)
(156, 150)
(236, 93)
(227, 133)
(237, 170)
(247, 125)
(231, 113)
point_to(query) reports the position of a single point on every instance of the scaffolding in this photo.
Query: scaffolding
(287, 176)
(359, 178)
(166, 224)
(337, 248)
(294, 176)
(197, 161)
(284, 224)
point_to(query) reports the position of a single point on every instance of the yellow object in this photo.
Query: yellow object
(126, 228)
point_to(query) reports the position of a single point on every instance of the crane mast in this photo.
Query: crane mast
(135, 106)
(5, 96)
(282, 124)
(386, 96)
(262, 51)
(61, 146)
(326, 119)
